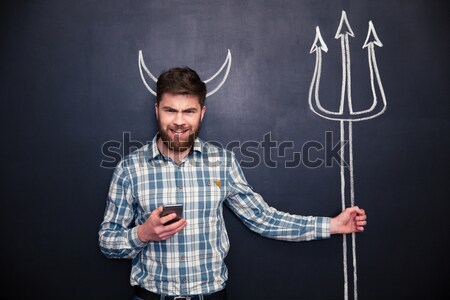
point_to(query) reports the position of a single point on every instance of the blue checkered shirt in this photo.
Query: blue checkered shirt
(192, 261)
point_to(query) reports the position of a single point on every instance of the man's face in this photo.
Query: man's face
(179, 119)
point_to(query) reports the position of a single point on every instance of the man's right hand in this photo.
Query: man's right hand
(153, 228)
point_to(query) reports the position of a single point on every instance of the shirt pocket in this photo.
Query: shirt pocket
(204, 198)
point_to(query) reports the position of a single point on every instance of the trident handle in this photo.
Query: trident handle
(346, 116)
(348, 192)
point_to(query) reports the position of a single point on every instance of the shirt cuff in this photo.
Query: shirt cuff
(322, 228)
(135, 242)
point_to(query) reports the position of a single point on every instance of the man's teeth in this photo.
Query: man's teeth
(179, 131)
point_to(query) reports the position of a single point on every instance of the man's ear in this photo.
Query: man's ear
(156, 111)
(203, 112)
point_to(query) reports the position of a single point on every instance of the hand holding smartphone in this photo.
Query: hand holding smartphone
(172, 208)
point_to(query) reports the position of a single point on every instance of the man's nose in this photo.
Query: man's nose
(179, 119)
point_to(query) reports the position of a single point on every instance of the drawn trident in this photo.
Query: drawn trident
(346, 115)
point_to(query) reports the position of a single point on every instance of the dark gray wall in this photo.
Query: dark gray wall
(70, 83)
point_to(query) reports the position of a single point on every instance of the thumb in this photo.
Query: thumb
(354, 209)
(157, 212)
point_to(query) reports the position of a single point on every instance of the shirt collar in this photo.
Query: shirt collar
(153, 151)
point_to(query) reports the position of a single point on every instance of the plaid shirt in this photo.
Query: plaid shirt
(192, 261)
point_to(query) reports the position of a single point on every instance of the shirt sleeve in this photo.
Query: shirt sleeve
(117, 239)
(256, 214)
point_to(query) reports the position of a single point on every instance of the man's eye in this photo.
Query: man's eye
(190, 111)
(170, 110)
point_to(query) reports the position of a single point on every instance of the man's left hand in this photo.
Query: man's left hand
(352, 219)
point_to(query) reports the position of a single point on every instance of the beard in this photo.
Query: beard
(175, 143)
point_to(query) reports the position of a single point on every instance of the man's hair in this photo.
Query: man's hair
(181, 81)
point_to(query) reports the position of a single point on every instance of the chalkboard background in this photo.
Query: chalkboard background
(70, 83)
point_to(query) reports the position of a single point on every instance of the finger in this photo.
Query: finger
(172, 232)
(175, 225)
(361, 223)
(168, 218)
(360, 229)
(157, 212)
(155, 216)
(169, 234)
(351, 210)
(358, 210)
(361, 218)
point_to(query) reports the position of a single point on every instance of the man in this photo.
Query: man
(186, 258)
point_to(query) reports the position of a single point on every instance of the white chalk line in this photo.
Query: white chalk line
(228, 63)
(344, 241)
(143, 68)
(375, 79)
(352, 203)
(373, 111)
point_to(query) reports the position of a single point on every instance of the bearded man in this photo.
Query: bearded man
(185, 260)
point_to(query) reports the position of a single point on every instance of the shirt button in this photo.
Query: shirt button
(180, 187)
(183, 257)
(184, 280)
(209, 183)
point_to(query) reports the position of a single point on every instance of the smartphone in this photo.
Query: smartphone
(172, 208)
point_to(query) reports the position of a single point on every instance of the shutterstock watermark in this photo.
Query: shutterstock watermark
(250, 153)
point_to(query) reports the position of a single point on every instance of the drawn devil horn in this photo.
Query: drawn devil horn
(143, 68)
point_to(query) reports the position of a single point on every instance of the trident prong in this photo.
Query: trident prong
(346, 115)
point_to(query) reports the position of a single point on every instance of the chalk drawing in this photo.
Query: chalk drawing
(346, 115)
(143, 68)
